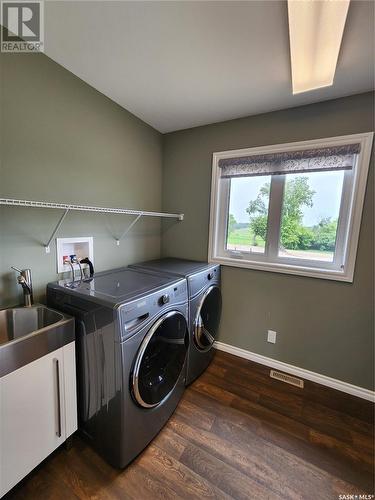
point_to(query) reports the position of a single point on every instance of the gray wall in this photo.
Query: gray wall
(64, 141)
(323, 326)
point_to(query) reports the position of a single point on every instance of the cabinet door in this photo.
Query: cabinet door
(32, 421)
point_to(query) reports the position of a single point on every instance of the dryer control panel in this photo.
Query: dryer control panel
(199, 281)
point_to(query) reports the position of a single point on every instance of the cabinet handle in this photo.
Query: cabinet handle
(58, 432)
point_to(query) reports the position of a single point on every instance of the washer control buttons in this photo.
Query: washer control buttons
(164, 299)
(210, 276)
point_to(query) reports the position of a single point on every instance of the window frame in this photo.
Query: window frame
(347, 236)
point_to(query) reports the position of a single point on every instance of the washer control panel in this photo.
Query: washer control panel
(164, 299)
(139, 311)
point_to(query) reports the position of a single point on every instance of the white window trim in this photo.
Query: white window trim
(348, 231)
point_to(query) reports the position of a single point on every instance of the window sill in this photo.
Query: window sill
(310, 272)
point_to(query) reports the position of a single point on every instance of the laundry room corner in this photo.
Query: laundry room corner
(187, 249)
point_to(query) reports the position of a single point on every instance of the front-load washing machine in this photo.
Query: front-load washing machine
(132, 341)
(204, 294)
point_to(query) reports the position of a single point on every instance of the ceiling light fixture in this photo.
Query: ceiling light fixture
(316, 28)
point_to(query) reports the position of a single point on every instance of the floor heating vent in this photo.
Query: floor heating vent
(288, 379)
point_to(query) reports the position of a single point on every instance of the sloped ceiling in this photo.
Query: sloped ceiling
(179, 64)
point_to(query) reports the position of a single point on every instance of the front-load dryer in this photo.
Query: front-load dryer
(203, 281)
(132, 340)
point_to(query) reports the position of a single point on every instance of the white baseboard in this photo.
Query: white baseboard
(354, 390)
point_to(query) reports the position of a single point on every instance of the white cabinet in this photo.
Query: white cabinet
(38, 411)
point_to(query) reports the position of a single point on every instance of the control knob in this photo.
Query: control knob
(164, 299)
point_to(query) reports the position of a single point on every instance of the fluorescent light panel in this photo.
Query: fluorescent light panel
(316, 28)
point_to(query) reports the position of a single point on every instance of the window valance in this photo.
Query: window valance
(291, 162)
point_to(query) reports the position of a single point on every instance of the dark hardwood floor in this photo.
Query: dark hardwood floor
(235, 434)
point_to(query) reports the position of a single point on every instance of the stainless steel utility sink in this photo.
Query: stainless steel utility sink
(28, 333)
(20, 321)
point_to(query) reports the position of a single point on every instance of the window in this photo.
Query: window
(292, 208)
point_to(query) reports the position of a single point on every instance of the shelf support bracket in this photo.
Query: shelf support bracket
(128, 229)
(47, 246)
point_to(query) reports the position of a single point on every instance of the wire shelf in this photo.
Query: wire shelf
(86, 208)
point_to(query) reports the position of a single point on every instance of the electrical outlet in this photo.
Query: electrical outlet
(271, 336)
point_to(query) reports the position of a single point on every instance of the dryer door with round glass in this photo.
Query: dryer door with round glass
(160, 360)
(207, 319)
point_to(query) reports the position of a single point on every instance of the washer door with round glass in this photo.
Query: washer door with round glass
(207, 319)
(160, 360)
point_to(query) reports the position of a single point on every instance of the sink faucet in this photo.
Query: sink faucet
(24, 279)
